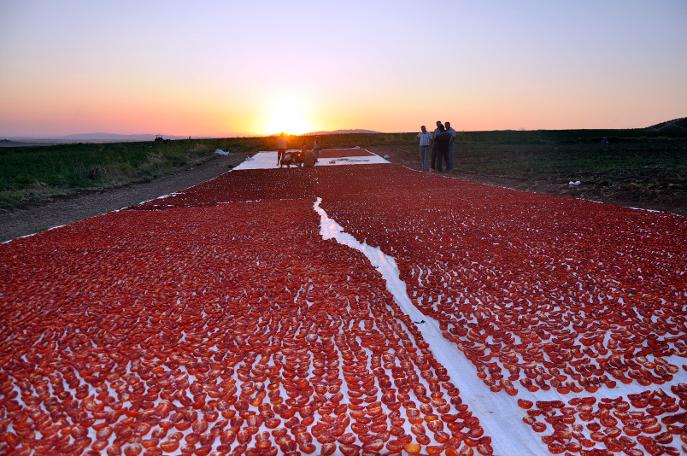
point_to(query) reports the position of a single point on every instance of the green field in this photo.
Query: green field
(34, 174)
(645, 167)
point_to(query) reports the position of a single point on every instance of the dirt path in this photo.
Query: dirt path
(21, 222)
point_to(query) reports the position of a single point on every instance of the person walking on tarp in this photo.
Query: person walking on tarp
(309, 158)
(440, 151)
(453, 133)
(316, 148)
(425, 140)
(281, 147)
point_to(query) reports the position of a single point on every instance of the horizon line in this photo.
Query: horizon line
(66, 136)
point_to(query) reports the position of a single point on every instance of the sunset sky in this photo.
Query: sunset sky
(219, 68)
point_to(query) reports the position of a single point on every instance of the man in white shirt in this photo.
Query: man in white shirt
(425, 140)
(453, 133)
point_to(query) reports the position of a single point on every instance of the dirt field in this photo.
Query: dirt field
(650, 173)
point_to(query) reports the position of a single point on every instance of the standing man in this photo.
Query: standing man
(435, 152)
(316, 147)
(281, 147)
(309, 158)
(453, 133)
(440, 152)
(425, 140)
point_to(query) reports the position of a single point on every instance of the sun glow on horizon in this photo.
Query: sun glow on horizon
(290, 115)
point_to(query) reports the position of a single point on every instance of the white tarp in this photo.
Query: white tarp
(268, 160)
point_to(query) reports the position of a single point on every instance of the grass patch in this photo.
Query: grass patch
(37, 173)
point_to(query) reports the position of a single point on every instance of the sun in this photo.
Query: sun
(287, 114)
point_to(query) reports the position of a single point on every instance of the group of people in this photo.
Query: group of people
(306, 157)
(436, 148)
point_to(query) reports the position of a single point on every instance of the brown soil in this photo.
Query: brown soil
(649, 175)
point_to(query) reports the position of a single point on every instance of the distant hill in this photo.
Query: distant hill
(98, 137)
(13, 143)
(9, 143)
(671, 127)
(338, 132)
(114, 137)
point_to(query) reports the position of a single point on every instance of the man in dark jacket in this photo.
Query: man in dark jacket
(442, 139)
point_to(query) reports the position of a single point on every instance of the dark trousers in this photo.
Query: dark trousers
(445, 159)
(439, 158)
